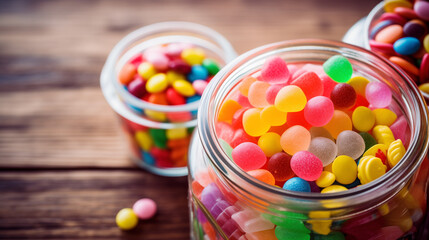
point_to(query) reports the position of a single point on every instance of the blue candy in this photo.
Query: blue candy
(297, 184)
(407, 45)
(377, 28)
(148, 159)
(198, 72)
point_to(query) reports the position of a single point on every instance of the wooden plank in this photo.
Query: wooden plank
(83, 204)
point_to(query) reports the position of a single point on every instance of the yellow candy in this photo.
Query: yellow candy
(270, 143)
(144, 140)
(383, 134)
(326, 179)
(193, 56)
(227, 110)
(320, 226)
(253, 124)
(384, 116)
(425, 86)
(273, 116)
(399, 216)
(155, 115)
(176, 133)
(146, 70)
(126, 219)
(334, 189)
(345, 169)
(184, 87)
(328, 168)
(172, 76)
(390, 5)
(290, 99)
(384, 209)
(426, 43)
(395, 152)
(370, 168)
(363, 119)
(157, 83)
(359, 84)
(376, 149)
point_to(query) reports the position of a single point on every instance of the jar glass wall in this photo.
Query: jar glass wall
(237, 206)
(158, 135)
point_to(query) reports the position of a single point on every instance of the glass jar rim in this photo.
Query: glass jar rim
(219, 159)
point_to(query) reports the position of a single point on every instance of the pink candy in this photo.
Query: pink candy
(199, 86)
(275, 71)
(306, 165)
(378, 94)
(145, 208)
(249, 156)
(319, 111)
(310, 84)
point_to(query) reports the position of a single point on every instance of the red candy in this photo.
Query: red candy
(319, 111)
(248, 156)
(174, 98)
(310, 84)
(279, 166)
(306, 165)
(275, 71)
(343, 95)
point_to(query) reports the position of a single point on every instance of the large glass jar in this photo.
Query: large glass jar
(391, 207)
(158, 135)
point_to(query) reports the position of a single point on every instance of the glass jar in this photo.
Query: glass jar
(390, 207)
(359, 33)
(158, 135)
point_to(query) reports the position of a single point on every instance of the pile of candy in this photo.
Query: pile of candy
(304, 128)
(172, 74)
(401, 35)
(143, 209)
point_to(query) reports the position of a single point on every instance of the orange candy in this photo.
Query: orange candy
(389, 34)
(263, 176)
(404, 64)
(339, 122)
(126, 75)
(158, 98)
(226, 112)
(245, 85)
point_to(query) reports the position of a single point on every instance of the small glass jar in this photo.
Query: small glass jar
(359, 33)
(390, 207)
(158, 135)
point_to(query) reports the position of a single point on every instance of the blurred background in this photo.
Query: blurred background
(64, 171)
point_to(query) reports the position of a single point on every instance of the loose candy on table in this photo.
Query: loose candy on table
(145, 208)
(126, 219)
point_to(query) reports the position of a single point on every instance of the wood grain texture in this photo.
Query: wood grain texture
(64, 170)
(83, 204)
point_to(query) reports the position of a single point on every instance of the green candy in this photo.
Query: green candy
(159, 137)
(211, 66)
(289, 220)
(330, 236)
(226, 147)
(368, 139)
(338, 68)
(286, 234)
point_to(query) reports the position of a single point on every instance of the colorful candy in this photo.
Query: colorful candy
(145, 208)
(126, 219)
(248, 156)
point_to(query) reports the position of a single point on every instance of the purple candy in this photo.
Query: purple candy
(219, 207)
(414, 28)
(137, 87)
(210, 195)
(422, 9)
(200, 216)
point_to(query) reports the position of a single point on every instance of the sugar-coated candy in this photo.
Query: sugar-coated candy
(415, 28)
(279, 166)
(249, 156)
(404, 64)
(407, 45)
(263, 176)
(363, 119)
(146, 70)
(184, 87)
(253, 124)
(272, 92)
(126, 219)
(395, 152)
(368, 139)
(389, 34)
(245, 85)
(227, 110)
(256, 94)
(197, 72)
(338, 68)
(144, 140)
(319, 111)
(297, 118)
(275, 71)
(340, 122)
(399, 129)
(345, 169)
(359, 84)
(290, 99)
(370, 168)
(127, 73)
(351, 144)
(343, 95)
(211, 66)
(297, 184)
(157, 83)
(328, 85)
(326, 179)
(422, 9)
(295, 139)
(310, 84)
(378, 94)
(273, 116)
(334, 189)
(383, 134)
(288, 234)
(270, 143)
(240, 136)
(323, 148)
(145, 208)
(384, 116)
(320, 132)
(193, 56)
(306, 165)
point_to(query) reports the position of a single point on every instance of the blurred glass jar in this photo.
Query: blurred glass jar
(158, 135)
(227, 203)
(359, 34)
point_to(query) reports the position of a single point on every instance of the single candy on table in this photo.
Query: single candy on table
(126, 219)
(145, 208)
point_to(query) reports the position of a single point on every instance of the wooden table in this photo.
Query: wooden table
(64, 171)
